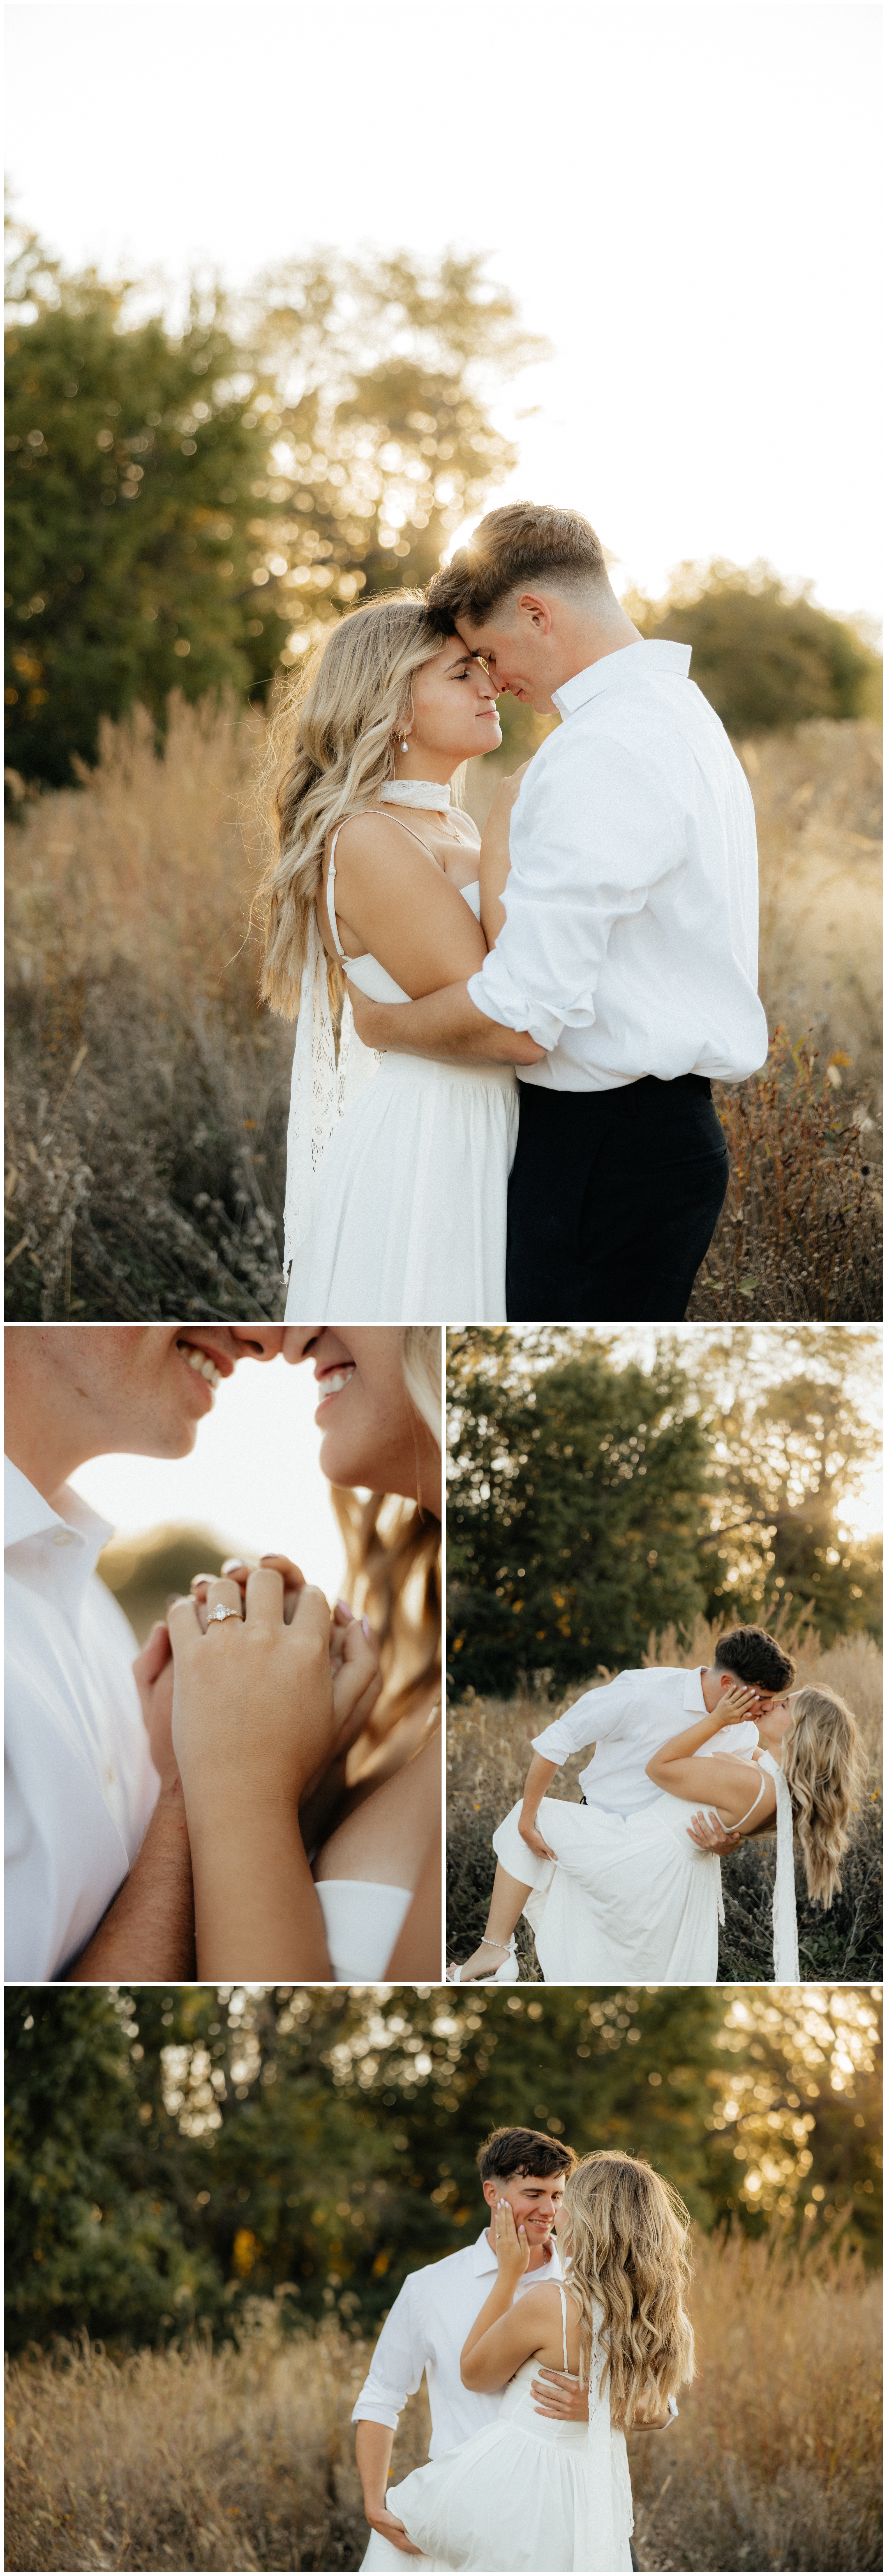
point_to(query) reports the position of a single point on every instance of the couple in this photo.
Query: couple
(257, 1793)
(599, 943)
(628, 1884)
(539, 2359)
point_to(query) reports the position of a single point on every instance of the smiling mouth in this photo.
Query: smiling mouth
(202, 1364)
(332, 1382)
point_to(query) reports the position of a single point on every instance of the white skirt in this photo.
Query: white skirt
(411, 1200)
(627, 1897)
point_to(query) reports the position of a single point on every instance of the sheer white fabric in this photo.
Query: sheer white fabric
(397, 1186)
(528, 2492)
(786, 1964)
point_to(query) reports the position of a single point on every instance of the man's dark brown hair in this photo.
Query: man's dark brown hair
(755, 1659)
(514, 545)
(522, 2151)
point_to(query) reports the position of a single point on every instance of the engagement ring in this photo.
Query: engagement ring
(222, 1613)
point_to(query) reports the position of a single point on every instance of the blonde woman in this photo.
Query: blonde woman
(397, 1166)
(537, 2492)
(635, 1896)
(309, 1750)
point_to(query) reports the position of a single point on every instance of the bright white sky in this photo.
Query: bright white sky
(252, 1476)
(682, 198)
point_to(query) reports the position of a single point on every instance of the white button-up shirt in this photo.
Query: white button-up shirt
(80, 1783)
(627, 1721)
(425, 2330)
(630, 944)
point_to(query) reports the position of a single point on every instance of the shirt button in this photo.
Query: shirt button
(63, 1538)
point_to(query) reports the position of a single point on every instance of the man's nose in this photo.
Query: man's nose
(253, 1345)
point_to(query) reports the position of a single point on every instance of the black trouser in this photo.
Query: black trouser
(613, 1201)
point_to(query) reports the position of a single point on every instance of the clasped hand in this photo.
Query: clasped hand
(318, 1712)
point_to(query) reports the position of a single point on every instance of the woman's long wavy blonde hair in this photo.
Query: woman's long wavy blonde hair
(330, 747)
(393, 1554)
(825, 1763)
(627, 2249)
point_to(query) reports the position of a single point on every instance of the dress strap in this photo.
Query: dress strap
(743, 1820)
(564, 2320)
(414, 836)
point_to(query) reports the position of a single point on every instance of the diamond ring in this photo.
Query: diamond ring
(222, 1613)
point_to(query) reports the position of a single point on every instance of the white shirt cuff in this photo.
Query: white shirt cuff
(369, 2411)
(492, 991)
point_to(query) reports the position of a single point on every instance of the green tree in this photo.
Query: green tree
(763, 655)
(173, 2153)
(575, 1500)
(82, 2246)
(795, 1447)
(183, 503)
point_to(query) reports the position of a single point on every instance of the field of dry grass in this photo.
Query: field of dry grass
(488, 1752)
(147, 1096)
(245, 2459)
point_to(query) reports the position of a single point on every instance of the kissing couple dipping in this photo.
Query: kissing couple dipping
(257, 1794)
(628, 1884)
(515, 1036)
(540, 2357)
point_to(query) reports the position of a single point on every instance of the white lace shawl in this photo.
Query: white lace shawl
(323, 1086)
(786, 1964)
(597, 2538)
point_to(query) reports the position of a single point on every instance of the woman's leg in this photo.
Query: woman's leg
(506, 1906)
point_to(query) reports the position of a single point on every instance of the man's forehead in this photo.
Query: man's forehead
(540, 2182)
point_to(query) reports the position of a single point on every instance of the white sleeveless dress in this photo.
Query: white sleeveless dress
(526, 2492)
(409, 1199)
(631, 1897)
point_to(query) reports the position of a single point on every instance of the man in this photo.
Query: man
(628, 939)
(625, 1723)
(434, 2313)
(632, 1716)
(98, 1870)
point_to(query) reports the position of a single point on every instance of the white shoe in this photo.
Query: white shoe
(507, 1975)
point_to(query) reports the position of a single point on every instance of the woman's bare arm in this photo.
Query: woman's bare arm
(393, 900)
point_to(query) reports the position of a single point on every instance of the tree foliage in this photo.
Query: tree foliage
(592, 1498)
(186, 506)
(764, 656)
(172, 2154)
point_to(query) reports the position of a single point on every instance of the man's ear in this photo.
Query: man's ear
(491, 2193)
(532, 605)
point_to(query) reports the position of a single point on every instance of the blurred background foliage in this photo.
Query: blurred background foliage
(188, 502)
(185, 505)
(174, 2155)
(595, 1495)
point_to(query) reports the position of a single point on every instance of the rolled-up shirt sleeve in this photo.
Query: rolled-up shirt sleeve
(591, 1720)
(590, 835)
(395, 2371)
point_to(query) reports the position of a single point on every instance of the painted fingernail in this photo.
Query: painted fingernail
(232, 1564)
(346, 1609)
(366, 1627)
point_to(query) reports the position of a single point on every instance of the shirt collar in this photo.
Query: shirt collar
(693, 1698)
(483, 2258)
(615, 669)
(28, 1516)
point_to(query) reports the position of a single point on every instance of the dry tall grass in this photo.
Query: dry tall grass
(488, 1754)
(147, 1096)
(245, 2459)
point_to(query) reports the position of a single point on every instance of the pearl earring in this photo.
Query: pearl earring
(404, 745)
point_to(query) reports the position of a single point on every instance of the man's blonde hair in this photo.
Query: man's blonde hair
(517, 544)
